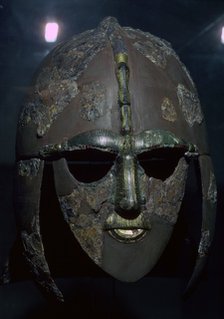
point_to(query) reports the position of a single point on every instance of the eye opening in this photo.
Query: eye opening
(160, 163)
(89, 165)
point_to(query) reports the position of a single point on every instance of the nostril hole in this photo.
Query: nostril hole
(127, 213)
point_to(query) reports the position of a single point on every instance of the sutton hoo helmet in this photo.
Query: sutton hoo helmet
(118, 115)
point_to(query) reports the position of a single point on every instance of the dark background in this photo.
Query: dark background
(194, 29)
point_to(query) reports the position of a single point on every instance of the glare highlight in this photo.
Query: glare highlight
(51, 32)
(222, 35)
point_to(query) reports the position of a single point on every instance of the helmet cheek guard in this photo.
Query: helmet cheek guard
(28, 191)
(209, 199)
(119, 101)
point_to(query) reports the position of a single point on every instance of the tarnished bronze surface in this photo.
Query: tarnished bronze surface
(118, 115)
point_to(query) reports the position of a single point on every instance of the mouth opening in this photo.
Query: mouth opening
(127, 235)
(127, 230)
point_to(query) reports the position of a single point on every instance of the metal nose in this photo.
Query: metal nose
(127, 201)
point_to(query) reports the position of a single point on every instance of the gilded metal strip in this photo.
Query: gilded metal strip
(121, 60)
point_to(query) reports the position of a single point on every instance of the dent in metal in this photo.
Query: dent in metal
(168, 110)
(29, 168)
(93, 101)
(190, 105)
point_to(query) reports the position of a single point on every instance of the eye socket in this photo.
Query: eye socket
(89, 165)
(160, 163)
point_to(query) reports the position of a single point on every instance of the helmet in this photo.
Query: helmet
(118, 115)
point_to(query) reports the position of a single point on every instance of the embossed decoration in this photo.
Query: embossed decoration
(156, 52)
(190, 105)
(47, 104)
(168, 110)
(204, 244)
(92, 101)
(29, 168)
(152, 47)
(56, 84)
(212, 189)
(161, 47)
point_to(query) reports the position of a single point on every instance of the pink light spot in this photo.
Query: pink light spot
(51, 32)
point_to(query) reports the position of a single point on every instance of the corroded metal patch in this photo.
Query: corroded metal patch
(32, 243)
(165, 197)
(70, 204)
(204, 244)
(152, 47)
(29, 168)
(86, 214)
(190, 105)
(212, 189)
(168, 110)
(157, 52)
(56, 84)
(166, 49)
(93, 101)
(85, 225)
(90, 237)
(35, 258)
(48, 104)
